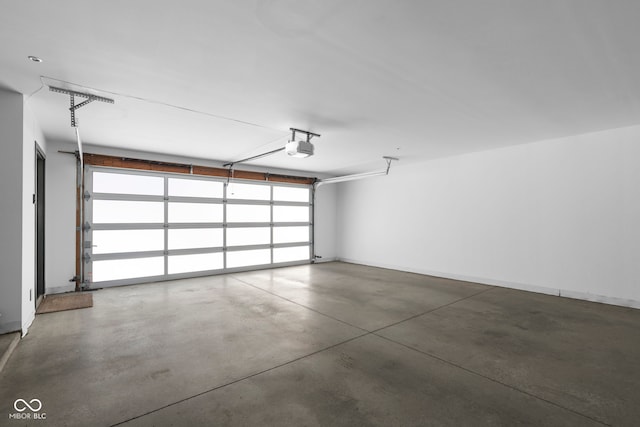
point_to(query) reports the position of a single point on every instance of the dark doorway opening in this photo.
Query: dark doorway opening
(39, 202)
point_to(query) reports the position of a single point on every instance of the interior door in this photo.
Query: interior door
(40, 205)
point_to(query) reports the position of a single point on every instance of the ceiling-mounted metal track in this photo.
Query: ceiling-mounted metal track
(353, 177)
(259, 156)
(73, 106)
(306, 132)
(268, 153)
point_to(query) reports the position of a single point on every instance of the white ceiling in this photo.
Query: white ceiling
(413, 79)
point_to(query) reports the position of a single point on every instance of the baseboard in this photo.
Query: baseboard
(600, 298)
(506, 284)
(322, 260)
(27, 324)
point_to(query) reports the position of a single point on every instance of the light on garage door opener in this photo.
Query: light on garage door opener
(300, 147)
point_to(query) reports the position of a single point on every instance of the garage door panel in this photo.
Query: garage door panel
(127, 211)
(195, 263)
(294, 253)
(248, 191)
(195, 188)
(248, 236)
(121, 183)
(195, 212)
(195, 238)
(114, 241)
(249, 258)
(291, 214)
(291, 234)
(248, 213)
(291, 194)
(120, 269)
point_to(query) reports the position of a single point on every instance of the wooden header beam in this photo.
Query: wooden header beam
(152, 165)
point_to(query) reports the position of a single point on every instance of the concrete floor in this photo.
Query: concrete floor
(328, 344)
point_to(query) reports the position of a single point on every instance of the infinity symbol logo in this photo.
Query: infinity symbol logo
(26, 405)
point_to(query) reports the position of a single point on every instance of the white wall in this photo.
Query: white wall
(31, 135)
(10, 211)
(559, 216)
(325, 223)
(60, 218)
(19, 132)
(60, 213)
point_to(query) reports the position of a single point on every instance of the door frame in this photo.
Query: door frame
(39, 223)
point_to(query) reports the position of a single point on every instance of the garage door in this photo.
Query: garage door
(149, 226)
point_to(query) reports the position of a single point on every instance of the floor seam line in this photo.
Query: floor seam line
(264, 371)
(301, 305)
(490, 379)
(433, 310)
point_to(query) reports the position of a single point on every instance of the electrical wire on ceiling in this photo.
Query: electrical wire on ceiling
(229, 164)
(156, 102)
(165, 104)
(42, 85)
